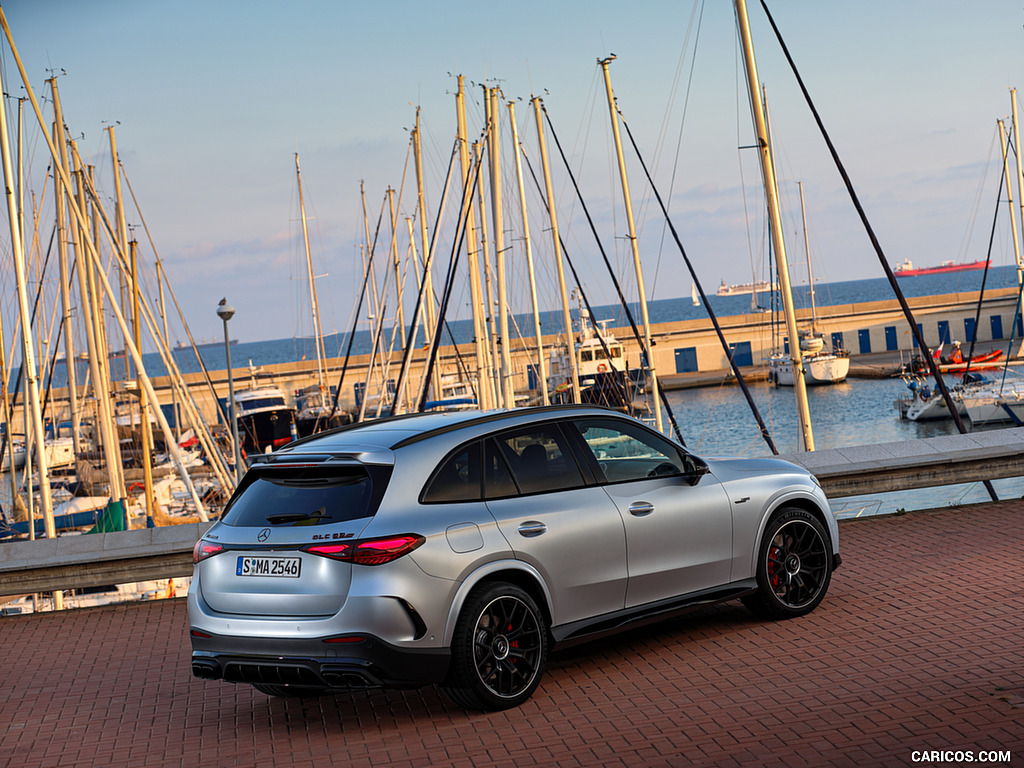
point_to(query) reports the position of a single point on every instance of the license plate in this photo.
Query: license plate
(287, 567)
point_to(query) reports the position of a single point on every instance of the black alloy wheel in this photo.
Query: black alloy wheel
(499, 649)
(794, 566)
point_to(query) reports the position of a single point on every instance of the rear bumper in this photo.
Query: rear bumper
(314, 663)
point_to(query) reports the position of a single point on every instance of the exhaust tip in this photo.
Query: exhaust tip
(205, 669)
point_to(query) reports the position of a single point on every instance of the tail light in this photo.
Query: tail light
(205, 549)
(368, 551)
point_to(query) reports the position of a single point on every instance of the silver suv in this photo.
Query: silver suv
(459, 548)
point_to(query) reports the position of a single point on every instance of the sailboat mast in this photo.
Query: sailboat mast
(318, 336)
(549, 192)
(641, 290)
(28, 362)
(1013, 209)
(491, 348)
(1020, 172)
(807, 251)
(494, 145)
(60, 197)
(428, 280)
(144, 404)
(542, 373)
(484, 374)
(771, 197)
(95, 344)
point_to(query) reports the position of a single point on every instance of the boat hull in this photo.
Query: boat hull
(941, 269)
(268, 429)
(818, 369)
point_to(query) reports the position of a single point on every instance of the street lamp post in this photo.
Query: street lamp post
(225, 312)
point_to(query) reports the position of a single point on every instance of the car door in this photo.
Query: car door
(678, 535)
(569, 531)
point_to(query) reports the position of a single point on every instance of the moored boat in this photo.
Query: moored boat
(265, 420)
(906, 268)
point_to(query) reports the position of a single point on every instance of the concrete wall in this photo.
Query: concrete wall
(673, 344)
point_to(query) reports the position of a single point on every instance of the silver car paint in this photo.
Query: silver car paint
(684, 544)
(436, 578)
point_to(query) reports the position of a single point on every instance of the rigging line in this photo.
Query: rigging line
(682, 121)
(644, 353)
(355, 317)
(965, 242)
(711, 314)
(181, 315)
(468, 193)
(918, 334)
(21, 366)
(984, 279)
(427, 259)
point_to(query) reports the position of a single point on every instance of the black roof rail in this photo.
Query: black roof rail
(497, 416)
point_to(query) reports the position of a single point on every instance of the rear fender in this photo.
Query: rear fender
(516, 571)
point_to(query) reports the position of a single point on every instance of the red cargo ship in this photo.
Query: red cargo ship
(906, 269)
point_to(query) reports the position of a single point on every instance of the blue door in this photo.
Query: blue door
(169, 414)
(686, 360)
(997, 326)
(944, 332)
(920, 331)
(357, 392)
(532, 379)
(742, 353)
(837, 340)
(891, 342)
(864, 340)
(969, 330)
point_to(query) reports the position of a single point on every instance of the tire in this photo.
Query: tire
(499, 649)
(794, 566)
(284, 692)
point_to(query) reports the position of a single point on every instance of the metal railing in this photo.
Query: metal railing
(76, 562)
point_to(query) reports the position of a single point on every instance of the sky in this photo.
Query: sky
(211, 101)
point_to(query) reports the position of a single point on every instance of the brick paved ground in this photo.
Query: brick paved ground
(918, 646)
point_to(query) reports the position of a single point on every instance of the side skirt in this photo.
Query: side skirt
(619, 621)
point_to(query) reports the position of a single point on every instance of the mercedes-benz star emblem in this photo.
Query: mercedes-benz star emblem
(264, 534)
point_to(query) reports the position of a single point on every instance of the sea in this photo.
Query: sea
(716, 421)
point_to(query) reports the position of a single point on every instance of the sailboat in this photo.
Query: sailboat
(820, 365)
(693, 295)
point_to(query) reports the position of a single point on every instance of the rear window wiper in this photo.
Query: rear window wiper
(297, 517)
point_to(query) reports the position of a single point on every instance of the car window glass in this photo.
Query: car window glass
(498, 482)
(540, 459)
(625, 451)
(294, 496)
(457, 479)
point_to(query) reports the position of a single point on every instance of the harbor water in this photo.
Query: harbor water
(717, 420)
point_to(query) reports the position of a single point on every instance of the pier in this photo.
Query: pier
(916, 647)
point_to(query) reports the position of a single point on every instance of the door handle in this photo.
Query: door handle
(641, 508)
(532, 528)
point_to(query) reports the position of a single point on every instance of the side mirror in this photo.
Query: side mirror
(695, 468)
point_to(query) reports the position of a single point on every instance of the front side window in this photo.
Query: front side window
(540, 459)
(625, 451)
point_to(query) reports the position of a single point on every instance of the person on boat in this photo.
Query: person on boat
(957, 356)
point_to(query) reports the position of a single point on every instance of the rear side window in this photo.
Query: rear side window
(307, 496)
(540, 458)
(457, 479)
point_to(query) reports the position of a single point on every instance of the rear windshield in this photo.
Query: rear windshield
(304, 496)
